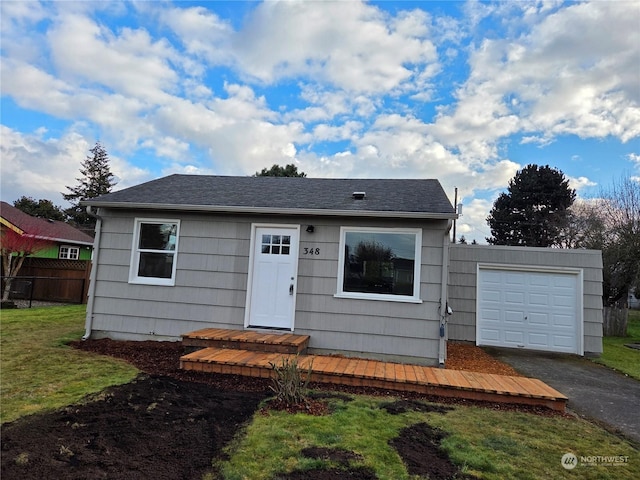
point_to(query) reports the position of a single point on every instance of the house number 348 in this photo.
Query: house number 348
(311, 251)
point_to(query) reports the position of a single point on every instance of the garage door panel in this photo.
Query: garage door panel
(563, 321)
(490, 295)
(565, 300)
(514, 278)
(514, 297)
(538, 340)
(528, 309)
(539, 299)
(490, 336)
(511, 317)
(513, 337)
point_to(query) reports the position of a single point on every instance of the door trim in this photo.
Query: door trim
(578, 272)
(252, 245)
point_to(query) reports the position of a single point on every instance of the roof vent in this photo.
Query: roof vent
(359, 195)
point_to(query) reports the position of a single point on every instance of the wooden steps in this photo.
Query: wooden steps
(233, 358)
(246, 340)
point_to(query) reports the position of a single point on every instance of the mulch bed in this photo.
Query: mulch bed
(170, 424)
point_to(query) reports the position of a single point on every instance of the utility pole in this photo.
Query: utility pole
(455, 205)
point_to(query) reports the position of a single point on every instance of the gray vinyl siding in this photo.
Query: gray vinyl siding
(211, 284)
(371, 328)
(463, 262)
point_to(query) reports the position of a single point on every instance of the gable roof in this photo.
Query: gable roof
(286, 195)
(53, 230)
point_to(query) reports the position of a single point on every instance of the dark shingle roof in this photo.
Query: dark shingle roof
(49, 229)
(286, 195)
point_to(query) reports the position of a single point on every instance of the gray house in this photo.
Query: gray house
(359, 265)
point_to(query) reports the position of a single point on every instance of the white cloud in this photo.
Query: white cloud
(41, 167)
(350, 66)
(560, 77)
(202, 32)
(350, 45)
(580, 182)
(129, 62)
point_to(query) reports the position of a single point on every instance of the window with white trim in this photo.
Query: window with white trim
(154, 252)
(380, 264)
(68, 252)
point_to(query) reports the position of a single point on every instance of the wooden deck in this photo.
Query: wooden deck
(246, 340)
(390, 376)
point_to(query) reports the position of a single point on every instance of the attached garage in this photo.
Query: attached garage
(546, 299)
(532, 309)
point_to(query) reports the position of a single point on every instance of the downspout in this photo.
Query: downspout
(92, 277)
(442, 349)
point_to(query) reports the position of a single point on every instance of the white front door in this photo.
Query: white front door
(273, 275)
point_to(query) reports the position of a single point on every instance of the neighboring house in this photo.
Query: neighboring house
(67, 242)
(68, 258)
(359, 265)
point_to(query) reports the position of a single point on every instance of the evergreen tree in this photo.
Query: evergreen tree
(96, 180)
(277, 171)
(534, 211)
(42, 208)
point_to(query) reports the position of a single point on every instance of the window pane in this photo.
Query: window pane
(286, 240)
(266, 238)
(157, 265)
(275, 239)
(379, 263)
(266, 248)
(285, 250)
(158, 236)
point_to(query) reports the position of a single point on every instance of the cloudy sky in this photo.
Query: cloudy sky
(465, 92)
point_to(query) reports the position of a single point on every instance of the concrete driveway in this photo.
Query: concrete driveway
(595, 392)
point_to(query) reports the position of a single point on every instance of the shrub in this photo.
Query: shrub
(289, 382)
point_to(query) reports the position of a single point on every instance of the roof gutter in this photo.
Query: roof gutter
(275, 211)
(94, 273)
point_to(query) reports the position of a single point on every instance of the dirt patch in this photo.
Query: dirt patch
(419, 448)
(171, 424)
(155, 427)
(337, 456)
(353, 473)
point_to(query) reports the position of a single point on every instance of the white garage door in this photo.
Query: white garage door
(525, 309)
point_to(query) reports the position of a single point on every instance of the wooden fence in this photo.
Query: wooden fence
(53, 280)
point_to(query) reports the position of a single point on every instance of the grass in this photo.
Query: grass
(486, 443)
(39, 372)
(624, 359)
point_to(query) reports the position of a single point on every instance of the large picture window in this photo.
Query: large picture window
(380, 264)
(154, 252)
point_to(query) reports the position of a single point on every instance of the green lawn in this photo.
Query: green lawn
(39, 372)
(624, 359)
(490, 444)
